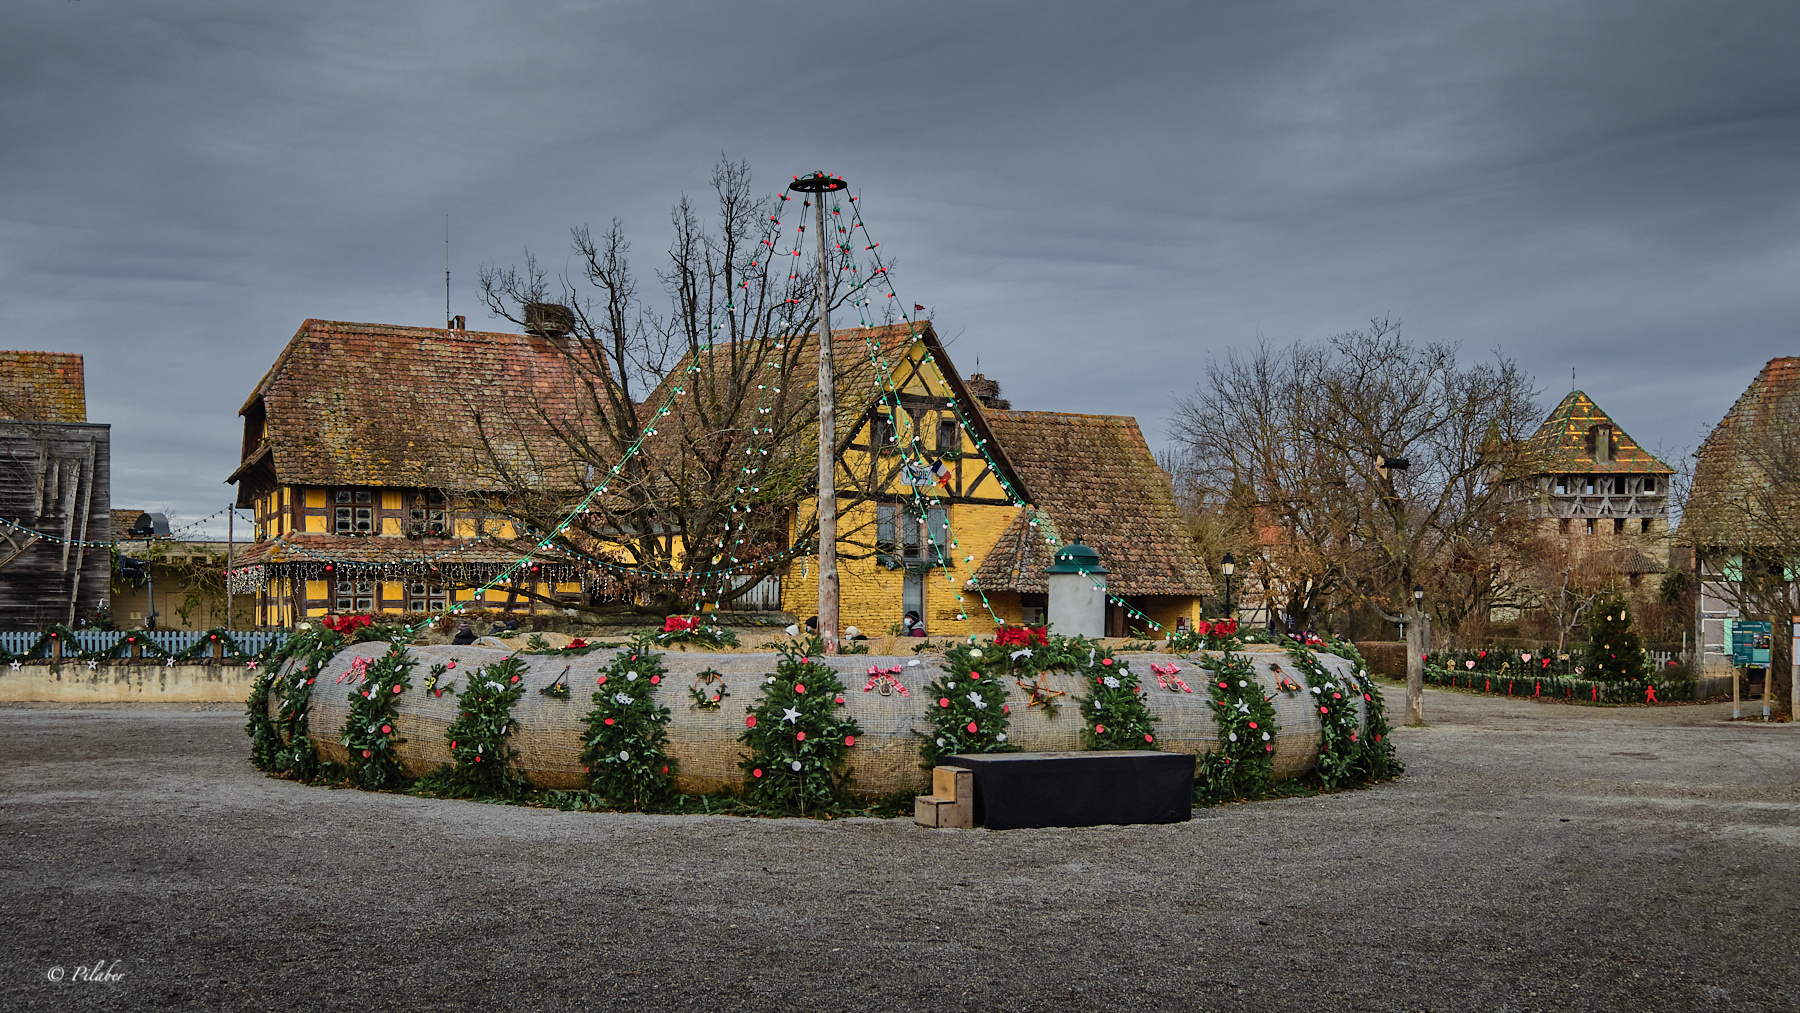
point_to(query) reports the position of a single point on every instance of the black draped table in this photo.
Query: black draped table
(1085, 789)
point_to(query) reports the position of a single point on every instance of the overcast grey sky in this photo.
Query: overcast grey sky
(1092, 198)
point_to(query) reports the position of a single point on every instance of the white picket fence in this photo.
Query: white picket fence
(173, 641)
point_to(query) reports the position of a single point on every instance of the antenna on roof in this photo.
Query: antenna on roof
(446, 269)
(1571, 370)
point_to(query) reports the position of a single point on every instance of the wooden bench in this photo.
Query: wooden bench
(1072, 789)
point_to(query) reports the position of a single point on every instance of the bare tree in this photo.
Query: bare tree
(689, 430)
(1294, 437)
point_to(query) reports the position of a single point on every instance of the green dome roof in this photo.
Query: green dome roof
(1076, 558)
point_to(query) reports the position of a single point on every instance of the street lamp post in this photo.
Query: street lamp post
(1228, 566)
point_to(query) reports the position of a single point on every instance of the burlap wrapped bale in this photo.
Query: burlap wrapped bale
(885, 760)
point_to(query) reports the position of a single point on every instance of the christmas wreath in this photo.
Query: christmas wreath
(626, 746)
(966, 706)
(798, 739)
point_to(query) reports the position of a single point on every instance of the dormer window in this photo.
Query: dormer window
(1649, 485)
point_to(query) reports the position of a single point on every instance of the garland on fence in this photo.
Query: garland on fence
(1566, 689)
(797, 738)
(478, 738)
(1114, 711)
(1243, 765)
(200, 650)
(626, 747)
(369, 730)
(966, 706)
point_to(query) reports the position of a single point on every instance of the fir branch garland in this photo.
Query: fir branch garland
(798, 739)
(967, 705)
(1336, 702)
(369, 731)
(1114, 711)
(478, 737)
(1376, 758)
(626, 749)
(1243, 765)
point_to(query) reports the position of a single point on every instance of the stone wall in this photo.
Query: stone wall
(125, 682)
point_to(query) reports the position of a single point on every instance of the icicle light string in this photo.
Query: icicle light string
(878, 356)
(80, 543)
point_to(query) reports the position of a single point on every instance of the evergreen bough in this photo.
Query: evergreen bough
(967, 705)
(478, 737)
(1243, 765)
(798, 739)
(369, 731)
(1114, 713)
(626, 747)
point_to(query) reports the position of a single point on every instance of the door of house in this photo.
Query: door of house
(912, 594)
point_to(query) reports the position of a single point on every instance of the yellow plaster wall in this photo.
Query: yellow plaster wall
(869, 594)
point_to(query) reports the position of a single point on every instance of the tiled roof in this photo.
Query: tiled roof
(42, 387)
(1096, 479)
(1733, 498)
(1560, 445)
(380, 405)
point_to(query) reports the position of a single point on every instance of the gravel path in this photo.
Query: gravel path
(1536, 856)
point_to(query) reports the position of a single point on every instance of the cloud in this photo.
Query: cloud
(1092, 198)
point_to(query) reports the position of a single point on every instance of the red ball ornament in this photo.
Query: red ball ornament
(1253, 724)
(943, 701)
(1223, 686)
(756, 773)
(840, 699)
(849, 740)
(366, 754)
(971, 728)
(798, 688)
(750, 721)
(609, 721)
(396, 689)
(452, 743)
(600, 681)
(1147, 738)
(1106, 661)
(1099, 729)
(387, 729)
(1324, 710)
(655, 679)
(799, 736)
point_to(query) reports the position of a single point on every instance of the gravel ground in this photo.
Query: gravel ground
(1536, 856)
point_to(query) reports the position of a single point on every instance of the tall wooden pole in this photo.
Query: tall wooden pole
(828, 570)
(1415, 667)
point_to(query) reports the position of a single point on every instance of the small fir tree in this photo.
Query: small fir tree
(797, 736)
(1615, 653)
(626, 750)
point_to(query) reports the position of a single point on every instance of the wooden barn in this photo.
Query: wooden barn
(55, 497)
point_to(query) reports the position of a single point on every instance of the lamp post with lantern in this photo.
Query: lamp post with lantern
(1418, 633)
(1228, 566)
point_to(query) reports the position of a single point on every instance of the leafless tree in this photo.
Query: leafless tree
(695, 417)
(1292, 437)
